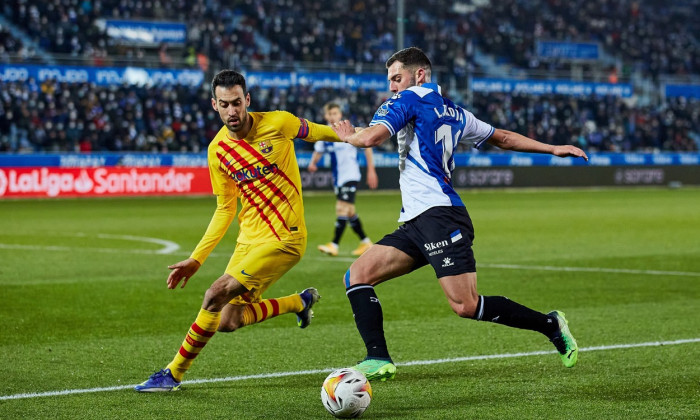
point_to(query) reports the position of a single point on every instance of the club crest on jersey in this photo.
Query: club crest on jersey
(384, 109)
(265, 147)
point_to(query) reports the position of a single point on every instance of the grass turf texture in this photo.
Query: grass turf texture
(84, 310)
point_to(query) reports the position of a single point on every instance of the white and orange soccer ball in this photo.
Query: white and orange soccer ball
(346, 393)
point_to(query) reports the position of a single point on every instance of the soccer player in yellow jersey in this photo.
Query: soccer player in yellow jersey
(251, 159)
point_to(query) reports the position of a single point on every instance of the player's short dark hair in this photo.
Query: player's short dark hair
(227, 79)
(330, 105)
(412, 57)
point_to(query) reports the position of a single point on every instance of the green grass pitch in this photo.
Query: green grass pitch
(85, 306)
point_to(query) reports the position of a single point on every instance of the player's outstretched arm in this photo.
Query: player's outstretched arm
(368, 137)
(315, 157)
(372, 179)
(223, 216)
(509, 140)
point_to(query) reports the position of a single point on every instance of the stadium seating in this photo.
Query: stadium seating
(595, 123)
(652, 36)
(649, 38)
(82, 117)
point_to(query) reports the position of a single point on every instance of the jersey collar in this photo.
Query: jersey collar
(433, 86)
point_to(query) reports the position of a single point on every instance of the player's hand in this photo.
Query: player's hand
(182, 271)
(343, 129)
(312, 167)
(569, 151)
(372, 180)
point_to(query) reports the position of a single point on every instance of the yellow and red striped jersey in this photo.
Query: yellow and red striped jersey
(262, 170)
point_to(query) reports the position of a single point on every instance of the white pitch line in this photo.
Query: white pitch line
(317, 371)
(590, 269)
(168, 246)
(171, 248)
(73, 249)
(549, 268)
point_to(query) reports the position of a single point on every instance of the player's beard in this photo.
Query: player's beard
(241, 124)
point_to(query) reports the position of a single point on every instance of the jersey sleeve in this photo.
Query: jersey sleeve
(226, 193)
(221, 184)
(320, 147)
(394, 114)
(475, 130)
(220, 221)
(293, 127)
(288, 124)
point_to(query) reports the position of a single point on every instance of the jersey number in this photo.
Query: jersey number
(444, 134)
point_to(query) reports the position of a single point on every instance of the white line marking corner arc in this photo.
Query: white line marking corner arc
(168, 246)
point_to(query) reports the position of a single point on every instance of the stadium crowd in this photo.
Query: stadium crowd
(595, 123)
(652, 36)
(9, 44)
(52, 116)
(81, 117)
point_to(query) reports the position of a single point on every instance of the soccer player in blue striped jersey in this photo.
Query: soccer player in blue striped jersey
(436, 227)
(346, 177)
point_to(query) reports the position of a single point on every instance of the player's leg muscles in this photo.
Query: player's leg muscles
(460, 291)
(467, 303)
(344, 209)
(221, 292)
(378, 264)
(231, 318)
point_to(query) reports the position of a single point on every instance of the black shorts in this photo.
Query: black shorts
(441, 237)
(346, 192)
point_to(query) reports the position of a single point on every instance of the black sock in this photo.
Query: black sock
(340, 223)
(369, 319)
(502, 310)
(356, 225)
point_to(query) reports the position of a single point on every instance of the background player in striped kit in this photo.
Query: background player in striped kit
(346, 176)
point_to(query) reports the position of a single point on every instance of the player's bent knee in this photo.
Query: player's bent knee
(221, 292)
(464, 309)
(229, 325)
(215, 298)
(359, 273)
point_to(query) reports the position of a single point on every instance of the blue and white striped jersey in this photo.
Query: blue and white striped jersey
(428, 128)
(344, 162)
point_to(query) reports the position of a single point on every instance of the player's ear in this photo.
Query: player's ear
(247, 99)
(420, 76)
(213, 104)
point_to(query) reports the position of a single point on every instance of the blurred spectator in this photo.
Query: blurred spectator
(83, 117)
(595, 123)
(653, 36)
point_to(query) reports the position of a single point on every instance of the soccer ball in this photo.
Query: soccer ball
(346, 393)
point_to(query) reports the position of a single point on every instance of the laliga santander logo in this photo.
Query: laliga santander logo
(40, 181)
(84, 183)
(3, 182)
(37, 182)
